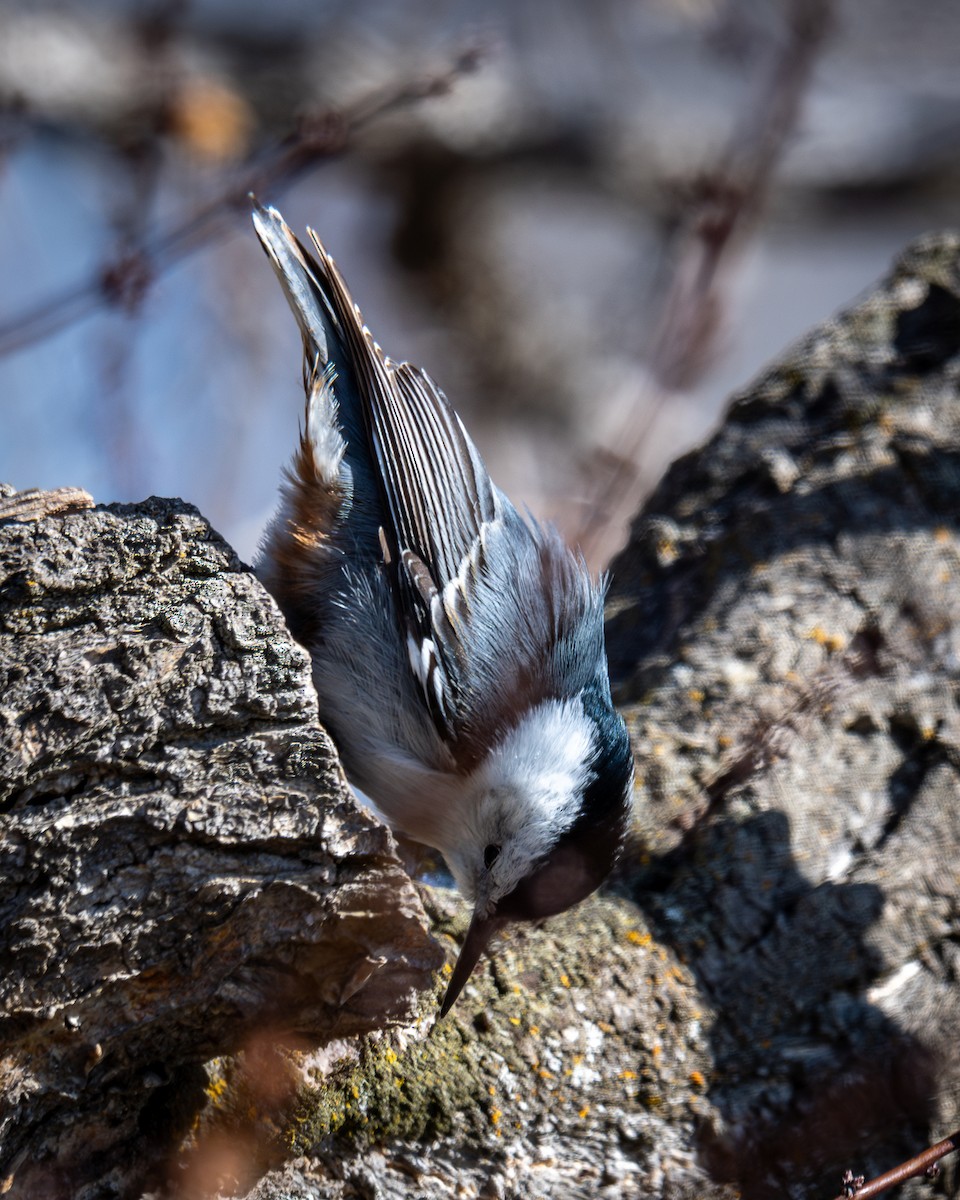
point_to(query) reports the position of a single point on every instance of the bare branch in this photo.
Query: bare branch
(125, 279)
(920, 1164)
(729, 200)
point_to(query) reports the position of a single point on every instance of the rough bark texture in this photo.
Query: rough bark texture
(785, 632)
(181, 866)
(770, 994)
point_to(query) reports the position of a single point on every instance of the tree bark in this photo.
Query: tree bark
(182, 866)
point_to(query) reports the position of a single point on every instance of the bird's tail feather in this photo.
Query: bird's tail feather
(299, 276)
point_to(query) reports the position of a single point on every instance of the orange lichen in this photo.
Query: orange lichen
(830, 641)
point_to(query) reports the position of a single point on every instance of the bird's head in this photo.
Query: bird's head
(551, 807)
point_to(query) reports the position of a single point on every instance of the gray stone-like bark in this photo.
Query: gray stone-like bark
(180, 863)
(786, 637)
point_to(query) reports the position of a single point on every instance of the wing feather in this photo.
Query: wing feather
(497, 613)
(437, 489)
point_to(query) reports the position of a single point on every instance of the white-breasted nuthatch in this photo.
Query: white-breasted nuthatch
(457, 648)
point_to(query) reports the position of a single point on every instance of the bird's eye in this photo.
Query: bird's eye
(490, 856)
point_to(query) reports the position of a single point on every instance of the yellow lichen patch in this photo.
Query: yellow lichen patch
(830, 641)
(584, 1111)
(627, 1075)
(697, 1079)
(514, 1020)
(928, 733)
(638, 938)
(696, 695)
(495, 1115)
(390, 1055)
(565, 980)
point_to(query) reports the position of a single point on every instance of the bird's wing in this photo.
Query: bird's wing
(497, 612)
(437, 490)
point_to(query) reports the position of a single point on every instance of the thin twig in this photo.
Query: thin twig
(920, 1164)
(731, 197)
(124, 279)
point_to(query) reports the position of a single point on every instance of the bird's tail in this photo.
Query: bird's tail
(301, 278)
(296, 551)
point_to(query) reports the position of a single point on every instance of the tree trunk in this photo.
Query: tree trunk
(182, 866)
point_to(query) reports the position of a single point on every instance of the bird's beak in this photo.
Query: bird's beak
(478, 938)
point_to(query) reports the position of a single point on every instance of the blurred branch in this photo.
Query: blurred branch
(723, 213)
(124, 280)
(924, 1163)
(12, 127)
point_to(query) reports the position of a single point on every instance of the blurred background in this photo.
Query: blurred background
(590, 222)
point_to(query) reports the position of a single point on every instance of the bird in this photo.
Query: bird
(457, 646)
